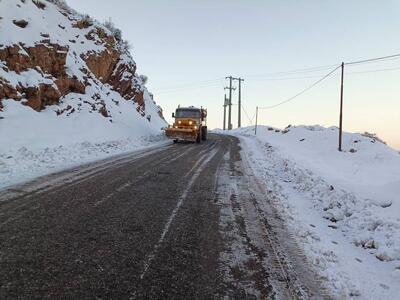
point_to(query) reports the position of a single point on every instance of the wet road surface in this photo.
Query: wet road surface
(182, 221)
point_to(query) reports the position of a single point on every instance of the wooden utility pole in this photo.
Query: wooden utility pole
(230, 102)
(341, 110)
(255, 127)
(239, 102)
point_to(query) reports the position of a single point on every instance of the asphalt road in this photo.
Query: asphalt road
(183, 221)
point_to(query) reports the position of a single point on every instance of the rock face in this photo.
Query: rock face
(64, 58)
(45, 58)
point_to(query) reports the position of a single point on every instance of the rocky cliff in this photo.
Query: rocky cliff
(52, 57)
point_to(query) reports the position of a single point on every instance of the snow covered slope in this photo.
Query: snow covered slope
(344, 207)
(69, 91)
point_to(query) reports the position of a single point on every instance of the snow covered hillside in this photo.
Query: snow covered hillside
(69, 91)
(344, 207)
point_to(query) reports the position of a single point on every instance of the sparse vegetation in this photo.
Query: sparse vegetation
(39, 3)
(86, 21)
(62, 5)
(143, 78)
(125, 46)
(373, 136)
(115, 31)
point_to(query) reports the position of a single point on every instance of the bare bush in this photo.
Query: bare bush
(373, 136)
(125, 46)
(115, 31)
(62, 5)
(143, 78)
(86, 21)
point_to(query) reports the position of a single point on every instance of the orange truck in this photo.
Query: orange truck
(190, 125)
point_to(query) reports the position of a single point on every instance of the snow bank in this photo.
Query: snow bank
(37, 143)
(344, 207)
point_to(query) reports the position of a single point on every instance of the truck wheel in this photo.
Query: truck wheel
(204, 133)
(198, 138)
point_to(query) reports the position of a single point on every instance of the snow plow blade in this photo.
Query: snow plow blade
(182, 134)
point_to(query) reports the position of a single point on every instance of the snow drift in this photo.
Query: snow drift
(343, 207)
(66, 81)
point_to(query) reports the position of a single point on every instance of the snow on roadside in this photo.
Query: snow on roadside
(38, 143)
(24, 164)
(343, 206)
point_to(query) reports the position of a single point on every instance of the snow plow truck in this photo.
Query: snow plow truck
(190, 125)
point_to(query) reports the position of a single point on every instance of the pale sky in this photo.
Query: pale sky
(186, 48)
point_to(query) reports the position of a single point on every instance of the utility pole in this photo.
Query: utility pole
(341, 110)
(239, 102)
(230, 102)
(225, 104)
(255, 127)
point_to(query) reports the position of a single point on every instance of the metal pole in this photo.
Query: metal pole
(341, 110)
(240, 104)
(230, 104)
(225, 101)
(255, 128)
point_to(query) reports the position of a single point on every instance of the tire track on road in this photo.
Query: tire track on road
(197, 168)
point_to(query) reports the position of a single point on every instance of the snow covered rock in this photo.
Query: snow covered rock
(66, 80)
(48, 51)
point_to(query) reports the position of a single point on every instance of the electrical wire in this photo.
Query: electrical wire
(373, 59)
(210, 81)
(373, 71)
(191, 87)
(303, 91)
(254, 115)
(347, 73)
(215, 82)
(247, 115)
(293, 72)
(289, 78)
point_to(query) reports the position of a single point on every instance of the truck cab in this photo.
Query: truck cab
(189, 125)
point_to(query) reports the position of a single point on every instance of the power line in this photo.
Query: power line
(372, 59)
(210, 81)
(296, 71)
(254, 115)
(247, 115)
(216, 81)
(190, 88)
(290, 78)
(314, 76)
(302, 92)
(217, 84)
(373, 71)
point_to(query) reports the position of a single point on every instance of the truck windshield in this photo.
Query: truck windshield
(187, 113)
